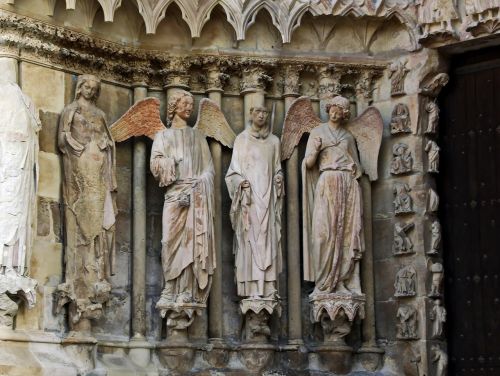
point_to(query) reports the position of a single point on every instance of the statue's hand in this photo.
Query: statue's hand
(317, 143)
(245, 184)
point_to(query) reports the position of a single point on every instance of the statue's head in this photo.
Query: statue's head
(338, 109)
(258, 115)
(88, 87)
(180, 103)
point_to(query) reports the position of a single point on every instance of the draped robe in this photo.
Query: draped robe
(332, 205)
(181, 162)
(256, 212)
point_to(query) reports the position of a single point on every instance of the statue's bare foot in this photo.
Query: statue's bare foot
(342, 289)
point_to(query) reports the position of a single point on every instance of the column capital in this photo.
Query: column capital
(216, 79)
(254, 78)
(291, 84)
(177, 75)
(329, 81)
(364, 84)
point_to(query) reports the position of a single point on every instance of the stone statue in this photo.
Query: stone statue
(438, 317)
(19, 128)
(255, 184)
(437, 279)
(402, 243)
(332, 200)
(400, 119)
(433, 117)
(403, 202)
(432, 150)
(402, 161)
(440, 357)
(435, 238)
(397, 74)
(182, 163)
(436, 16)
(89, 185)
(408, 320)
(432, 201)
(406, 281)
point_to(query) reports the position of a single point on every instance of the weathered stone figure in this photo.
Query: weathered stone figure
(397, 74)
(438, 317)
(405, 283)
(403, 202)
(440, 357)
(88, 189)
(433, 116)
(402, 243)
(437, 271)
(408, 320)
(331, 169)
(432, 150)
(400, 119)
(435, 238)
(19, 126)
(402, 161)
(181, 162)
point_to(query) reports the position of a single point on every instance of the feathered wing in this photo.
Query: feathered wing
(367, 129)
(300, 118)
(212, 122)
(142, 119)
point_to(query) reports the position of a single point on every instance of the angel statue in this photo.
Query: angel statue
(255, 184)
(181, 162)
(333, 241)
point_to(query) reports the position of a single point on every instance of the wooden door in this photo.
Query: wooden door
(469, 186)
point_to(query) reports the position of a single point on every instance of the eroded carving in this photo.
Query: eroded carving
(437, 271)
(408, 321)
(440, 357)
(255, 184)
(438, 317)
(402, 244)
(432, 150)
(406, 282)
(432, 201)
(436, 19)
(435, 238)
(432, 110)
(400, 119)
(89, 187)
(482, 17)
(397, 74)
(403, 203)
(402, 161)
(19, 127)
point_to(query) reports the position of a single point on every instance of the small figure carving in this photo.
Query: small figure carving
(435, 238)
(438, 317)
(433, 116)
(89, 186)
(406, 281)
(400, 119)
(437, 279)
(432, 201)
(432, 150)
(408, 321)
(19, 126)
(397, 74)
(402, 161)
(402, 244)
(403, 202)
(255, 184)
(441, 359)
(432, 85)
(435, 17)
(481, 12)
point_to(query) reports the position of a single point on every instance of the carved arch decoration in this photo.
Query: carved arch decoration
(286, 15)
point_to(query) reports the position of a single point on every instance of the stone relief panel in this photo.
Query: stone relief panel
(89, 188)
(403, 203)
(406, 282)
(19, 127)
(402, 244)
(397, 74)
(402, 160)
(400, 119)
(407, 326)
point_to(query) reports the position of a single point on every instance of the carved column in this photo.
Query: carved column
(291, 92)
(9, 65)
(139, 355)
(215, 83)
(329, 85)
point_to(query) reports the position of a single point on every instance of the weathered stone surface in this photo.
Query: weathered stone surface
(48, 133)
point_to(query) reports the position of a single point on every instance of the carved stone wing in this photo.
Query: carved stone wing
(142, 119)
(300, 118)
(212, 122)
(367, 129)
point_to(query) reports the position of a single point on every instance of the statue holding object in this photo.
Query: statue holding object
(181, 162)
(332, 203)
(255, 184)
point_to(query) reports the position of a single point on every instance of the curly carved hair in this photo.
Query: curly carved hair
(83, 79)
(173, 100)
(341, 102)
